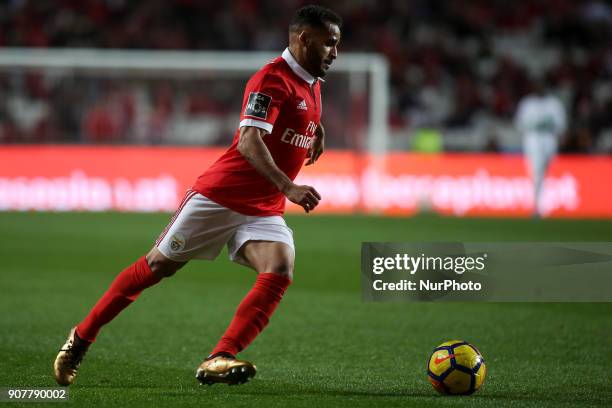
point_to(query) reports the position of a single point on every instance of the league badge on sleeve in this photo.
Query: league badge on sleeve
(257, 105)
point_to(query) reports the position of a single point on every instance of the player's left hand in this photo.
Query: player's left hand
(317, 147)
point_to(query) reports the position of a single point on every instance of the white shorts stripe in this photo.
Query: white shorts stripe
(190, 193)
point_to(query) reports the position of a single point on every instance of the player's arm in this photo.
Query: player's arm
(519, 119)
(254, 150)
(318, 145)
(561, 117)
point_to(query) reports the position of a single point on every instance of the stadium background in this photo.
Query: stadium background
(72, 142)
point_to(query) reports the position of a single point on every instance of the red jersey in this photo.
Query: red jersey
(285, 100)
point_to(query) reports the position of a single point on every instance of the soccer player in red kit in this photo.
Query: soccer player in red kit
(239, 202)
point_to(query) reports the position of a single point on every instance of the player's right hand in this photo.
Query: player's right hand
(305, 196)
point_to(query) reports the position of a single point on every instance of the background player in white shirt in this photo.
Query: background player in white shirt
(541, 120)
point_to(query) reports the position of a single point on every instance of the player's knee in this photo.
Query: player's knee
(283, 268)
(162, 270)
(161, 266)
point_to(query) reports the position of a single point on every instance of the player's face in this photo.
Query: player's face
(322, 49)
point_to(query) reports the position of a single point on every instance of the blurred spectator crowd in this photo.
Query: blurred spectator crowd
(458, 67)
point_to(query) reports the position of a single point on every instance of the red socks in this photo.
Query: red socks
(124, 290)
(253, 313)
(250, 318)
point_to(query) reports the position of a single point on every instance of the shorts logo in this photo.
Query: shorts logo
(177, 242)
(257, 105)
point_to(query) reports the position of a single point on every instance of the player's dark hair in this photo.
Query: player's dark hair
(314, 16)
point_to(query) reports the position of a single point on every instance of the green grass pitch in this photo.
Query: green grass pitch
(323, 348)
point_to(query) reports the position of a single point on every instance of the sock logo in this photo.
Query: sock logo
(177, 242)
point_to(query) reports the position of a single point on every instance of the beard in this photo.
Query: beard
(322, 70)
(316, 63)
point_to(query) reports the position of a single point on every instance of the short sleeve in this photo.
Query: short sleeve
(264, 96)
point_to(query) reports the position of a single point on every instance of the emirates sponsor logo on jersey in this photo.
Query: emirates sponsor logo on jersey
(292, 137)
(302, 105)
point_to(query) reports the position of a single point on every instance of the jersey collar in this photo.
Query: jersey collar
(297, 68)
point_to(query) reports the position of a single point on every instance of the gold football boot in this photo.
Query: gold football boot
(69, 358)
(225, 368)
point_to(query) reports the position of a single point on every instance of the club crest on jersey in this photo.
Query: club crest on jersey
(257, 105)
(302, 105)
(177, 242)
(290, 136)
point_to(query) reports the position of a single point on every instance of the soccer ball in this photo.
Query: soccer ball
(456, 367)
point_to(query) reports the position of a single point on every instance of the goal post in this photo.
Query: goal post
(365, 72)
